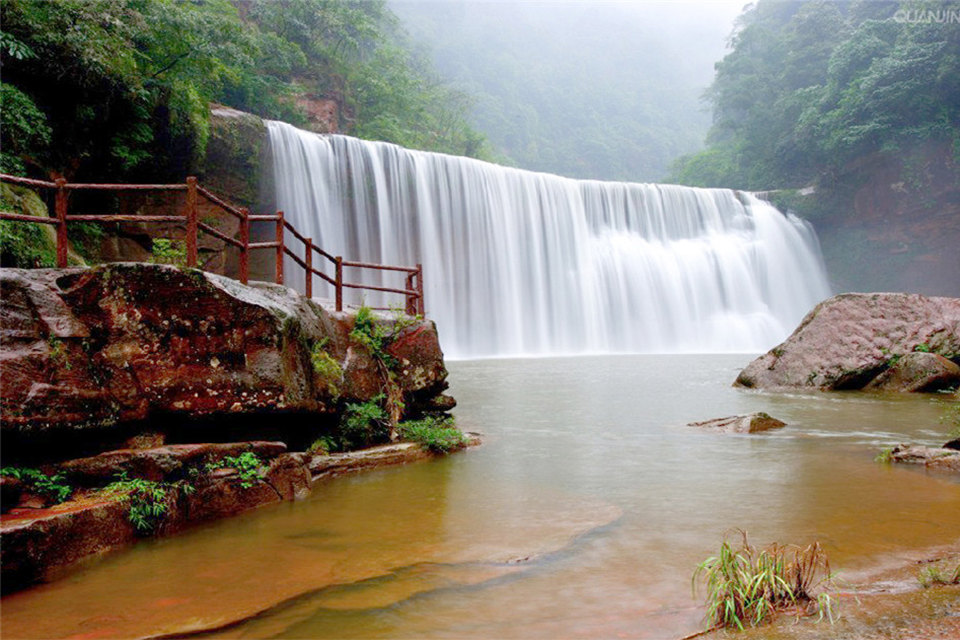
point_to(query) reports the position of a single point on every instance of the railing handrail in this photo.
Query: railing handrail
(413, 290)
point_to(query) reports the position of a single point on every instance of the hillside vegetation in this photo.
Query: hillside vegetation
(810, 87)
(120, 89)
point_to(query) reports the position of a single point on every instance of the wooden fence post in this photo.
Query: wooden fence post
(339, 280)
(308, 258)
(411, 298)
(60, 206)
(245, 248)
(191, 222)
(279, 247)
(421, 304)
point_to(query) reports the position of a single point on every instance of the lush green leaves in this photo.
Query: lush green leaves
(119, 89)
(810, 86)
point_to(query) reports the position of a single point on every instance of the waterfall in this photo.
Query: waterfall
(523, 263)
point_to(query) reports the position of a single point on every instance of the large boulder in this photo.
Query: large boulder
(850, 339)
(93, 349)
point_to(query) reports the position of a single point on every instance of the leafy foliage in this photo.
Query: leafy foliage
(147, 500)
(326, 368)
(810, 86)
(123, 86)
(437, 433)
(363, 424)
(247, 465)
(748, 586)
(25, 245)
(173, 252)
(53, 487)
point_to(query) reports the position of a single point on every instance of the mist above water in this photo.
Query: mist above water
(524, 263)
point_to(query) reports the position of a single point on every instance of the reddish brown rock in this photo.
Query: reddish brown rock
(750, 423)
(920, 372)
(121, 343)
(159, 464)
(850, 339)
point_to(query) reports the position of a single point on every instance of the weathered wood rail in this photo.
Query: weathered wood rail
(412, 291)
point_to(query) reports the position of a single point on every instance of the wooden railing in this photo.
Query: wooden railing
(412, 292)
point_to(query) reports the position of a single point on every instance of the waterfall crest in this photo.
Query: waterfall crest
(525, 263)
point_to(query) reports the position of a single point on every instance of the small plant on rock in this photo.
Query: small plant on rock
(247, 464)
(327, 368)
(54, 487)
(172, 252)
(439, 434)
(885, 456)
(147, 500)
(323, 445)
(363, 424)
(937, 575)
(747, 586)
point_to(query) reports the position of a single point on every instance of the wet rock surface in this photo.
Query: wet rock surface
(41, 543)
(849, 340)
(750, 423)
(933, 458)
(89, 350)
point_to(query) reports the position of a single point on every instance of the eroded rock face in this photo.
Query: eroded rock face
(85, 349)
(750, 423)
(850, 339)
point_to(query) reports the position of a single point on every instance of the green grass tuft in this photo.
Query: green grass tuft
(747, 586)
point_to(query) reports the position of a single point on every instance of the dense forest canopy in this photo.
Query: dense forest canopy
(809, 87)
(119, 89)
(601, 90)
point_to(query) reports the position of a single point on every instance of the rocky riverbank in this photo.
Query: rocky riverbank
(138, 399)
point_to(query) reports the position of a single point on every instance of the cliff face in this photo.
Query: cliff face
(90, 358)
(892, 223)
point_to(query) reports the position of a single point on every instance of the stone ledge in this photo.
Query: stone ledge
(43, 544)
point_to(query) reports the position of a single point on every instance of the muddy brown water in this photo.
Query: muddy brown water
(582, 515)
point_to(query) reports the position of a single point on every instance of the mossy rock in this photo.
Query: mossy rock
(235, 155)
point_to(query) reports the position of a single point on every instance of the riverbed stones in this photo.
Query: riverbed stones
(750, 423)
(845, 342)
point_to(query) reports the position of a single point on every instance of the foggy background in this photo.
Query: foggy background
(604, 90)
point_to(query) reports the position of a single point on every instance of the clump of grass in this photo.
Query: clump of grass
(938, 575)
(747, 586)
(885, 456)
(434, 432)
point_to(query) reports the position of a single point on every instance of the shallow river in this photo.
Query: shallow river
(583, 514)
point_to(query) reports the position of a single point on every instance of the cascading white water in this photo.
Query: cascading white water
(523, 263)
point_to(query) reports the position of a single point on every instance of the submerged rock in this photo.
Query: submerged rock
(850, 339)
(938, 459)
(750, 423)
